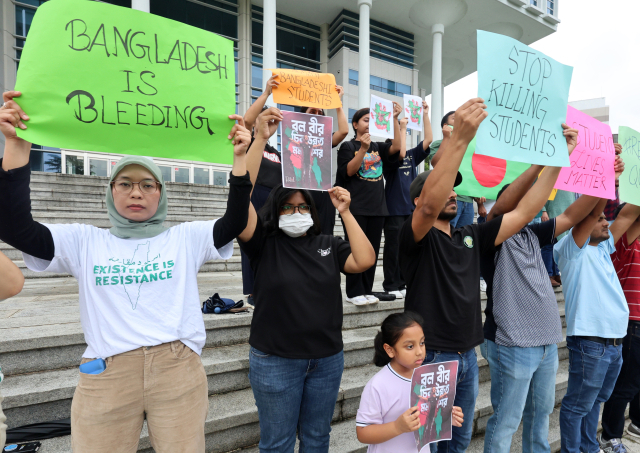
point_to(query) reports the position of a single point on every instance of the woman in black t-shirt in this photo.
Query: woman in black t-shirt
(361, 174)
(326, 211)
(296, 358)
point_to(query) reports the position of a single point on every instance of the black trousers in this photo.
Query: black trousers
(626, 389)
(393, 280)
(362, 284)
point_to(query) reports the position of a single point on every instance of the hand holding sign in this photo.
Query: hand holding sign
(468, 119)
(267, 122)
(11, 116)
(240, 137)
(409, 421)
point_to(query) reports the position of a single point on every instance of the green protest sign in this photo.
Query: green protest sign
(484, 176)
(99, 77)
(630, 178)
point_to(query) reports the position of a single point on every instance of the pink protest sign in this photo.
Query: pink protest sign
(591, 171)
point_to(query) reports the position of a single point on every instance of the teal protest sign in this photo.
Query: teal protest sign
(526, 94)
(630, 178)
(99, 77)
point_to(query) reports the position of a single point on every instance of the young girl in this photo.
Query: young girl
(383, 420)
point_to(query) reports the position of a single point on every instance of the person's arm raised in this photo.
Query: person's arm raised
(536, 197)
(266, 125)
(362, 254)
(403, 138)
(512, 195)
(439, 185)
(16, 150)
(395, 143)
(354, 164)
(11, 279)
(446, 136)
(428, 133)
(236, 216)
(343, 124)
(626, 218)
(255, 108)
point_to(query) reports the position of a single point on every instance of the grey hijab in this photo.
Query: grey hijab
(125, 228)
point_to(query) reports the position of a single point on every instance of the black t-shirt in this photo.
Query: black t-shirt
(367, 185)
(298, 311)
(545, 231)
(270, 174)
(443, 282)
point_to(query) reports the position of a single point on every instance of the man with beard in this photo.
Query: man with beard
(442, 264)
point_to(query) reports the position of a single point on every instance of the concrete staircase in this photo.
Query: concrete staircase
(41, 339)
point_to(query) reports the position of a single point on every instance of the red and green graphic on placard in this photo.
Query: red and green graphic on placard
(415, 111)
(484, 176)
(381, 118)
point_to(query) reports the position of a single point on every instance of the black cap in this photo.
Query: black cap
(416, 186)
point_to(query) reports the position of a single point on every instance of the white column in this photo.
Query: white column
(436, 81)
(142, 5)
(324, 48)
(442, 100)
(269, 50)
(364, 59)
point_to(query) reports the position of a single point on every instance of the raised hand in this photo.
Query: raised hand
(267, 122)
(403, 124)
(271, 84)
(239, 136)
(341, 199)
(618, 148)
(409, 421)
(457, 417)
(446, 131)
(340, 90)
(571, 135)
(468, 119)
(365, 142)
(397, 109)
(11, 116)
(618, 166)
(425, 107)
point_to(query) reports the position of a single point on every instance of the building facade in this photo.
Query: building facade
(388, 47)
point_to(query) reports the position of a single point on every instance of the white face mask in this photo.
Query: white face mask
(295, 225)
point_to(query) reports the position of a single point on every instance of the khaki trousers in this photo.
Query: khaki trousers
(167, 383)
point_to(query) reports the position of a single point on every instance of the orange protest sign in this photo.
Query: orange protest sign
(306, 89)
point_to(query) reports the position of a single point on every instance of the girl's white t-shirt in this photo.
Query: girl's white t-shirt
(385, 398)
(135, 292)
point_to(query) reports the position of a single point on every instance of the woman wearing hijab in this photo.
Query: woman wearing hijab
(296, 357)
(138, 293)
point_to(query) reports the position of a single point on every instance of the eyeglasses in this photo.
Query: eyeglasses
(287, 209)
(146, 186)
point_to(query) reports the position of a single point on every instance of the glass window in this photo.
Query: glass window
(219, 178)
(74, 165)
(181, 174)
(97, 167)
(351, 113)
(200, 175)
(166, 172)
(45, 161)
(198, 15)
(376, 83)
(256, 77)
(353, 77)
(403, 89)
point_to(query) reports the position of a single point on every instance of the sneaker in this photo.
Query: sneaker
(403, 292)
(612, 445)
(554, 283)
(385, 297)
(483, 285)
(398, 294)
(358, 300)
(250, 302)
(633, 430)
(371, 299)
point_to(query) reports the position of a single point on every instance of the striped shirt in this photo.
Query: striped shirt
(626, 261)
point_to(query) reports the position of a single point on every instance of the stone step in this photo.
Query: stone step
(232, 422)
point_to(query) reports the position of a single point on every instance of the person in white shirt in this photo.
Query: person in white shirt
(138, 294)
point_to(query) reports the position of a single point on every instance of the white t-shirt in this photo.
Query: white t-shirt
(385, 398)
(135, 292)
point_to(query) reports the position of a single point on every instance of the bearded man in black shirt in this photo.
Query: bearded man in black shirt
(442, 264)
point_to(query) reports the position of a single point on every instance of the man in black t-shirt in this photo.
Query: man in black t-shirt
(441, 264)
